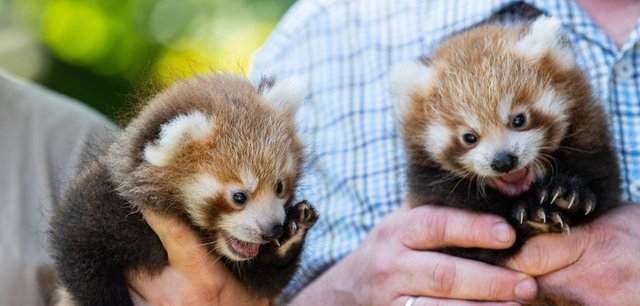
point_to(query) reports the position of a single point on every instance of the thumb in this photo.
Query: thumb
(184, 249)
(547, 253)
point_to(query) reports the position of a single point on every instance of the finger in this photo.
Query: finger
(429, 301)
(428, 227)
(544, 254)
(146, 288)
(136, 298)
(183, 247)
(444, 276)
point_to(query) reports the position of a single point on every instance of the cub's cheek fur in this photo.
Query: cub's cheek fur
(215, 151)
(551, 169)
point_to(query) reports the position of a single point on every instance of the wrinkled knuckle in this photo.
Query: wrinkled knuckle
(444, 277)
(535, 260)
(382, 232)
(381, 270)
(473, 236)
(494, 289)
(433, 226)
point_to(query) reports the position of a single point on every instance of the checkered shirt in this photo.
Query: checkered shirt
(356, 170)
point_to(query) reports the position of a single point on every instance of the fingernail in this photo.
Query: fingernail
(526, 289)
(502, 232)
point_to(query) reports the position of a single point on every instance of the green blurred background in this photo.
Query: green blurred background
(102, 51)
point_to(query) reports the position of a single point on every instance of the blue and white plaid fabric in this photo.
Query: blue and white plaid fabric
(355, 175)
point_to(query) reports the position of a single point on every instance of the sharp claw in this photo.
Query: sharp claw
(543, 196)
(589, 207)
(556, 195)
(556, 218)
(292, 228)
(521, 216)
(542, 215)
(276, 242)
(572, 199)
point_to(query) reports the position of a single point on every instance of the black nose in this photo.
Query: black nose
(274, 233)
(504, 162)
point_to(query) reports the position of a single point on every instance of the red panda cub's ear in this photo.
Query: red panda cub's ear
(284, 95)
(406, 80)
(543, 38)
(174, 133)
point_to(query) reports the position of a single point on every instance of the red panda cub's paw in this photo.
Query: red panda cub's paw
(535, 218)
(555, 203)
(300, 217)
(569, 193)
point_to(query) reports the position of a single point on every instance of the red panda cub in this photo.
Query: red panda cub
(213, 150)
(501, 120)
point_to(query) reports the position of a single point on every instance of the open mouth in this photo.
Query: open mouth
(513, 183)
(242, 249)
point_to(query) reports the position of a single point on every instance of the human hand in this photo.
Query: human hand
(596, 264)
(193, 276)
(395, 262)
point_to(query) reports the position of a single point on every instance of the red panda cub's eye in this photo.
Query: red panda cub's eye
(518, 121)
(469, 138)
(279, 187)
(239, 198)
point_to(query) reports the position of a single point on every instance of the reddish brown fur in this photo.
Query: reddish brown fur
(228, 130)
(459, 63)
(261, 142)
(473, 72)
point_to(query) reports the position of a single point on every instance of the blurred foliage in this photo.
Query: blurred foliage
(100, 51)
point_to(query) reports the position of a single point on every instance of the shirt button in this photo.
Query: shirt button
(624, 69)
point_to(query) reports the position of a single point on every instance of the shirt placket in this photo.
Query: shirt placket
(624, 90)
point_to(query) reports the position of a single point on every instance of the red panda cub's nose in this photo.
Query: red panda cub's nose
(274, 233)
(504, 162)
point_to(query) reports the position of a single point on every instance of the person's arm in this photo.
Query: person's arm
(193, 276)
(596, 264)
(395, 262)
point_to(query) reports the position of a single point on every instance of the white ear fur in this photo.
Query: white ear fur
(544, 38)
(173, 134)
(286, 94)
(405, 79)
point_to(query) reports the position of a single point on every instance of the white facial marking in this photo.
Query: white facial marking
(405, 79)
(249, 180)
(257, 216)
(195, 191)
(471, 120)
(551, 104)
(505, 107)
(286, 94)
(524, 144)
(544, 38)
(480, 157)
(290, 165)
(174, 133)
(437, 138)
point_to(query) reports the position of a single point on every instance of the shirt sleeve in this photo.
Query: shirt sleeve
(44, 136)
